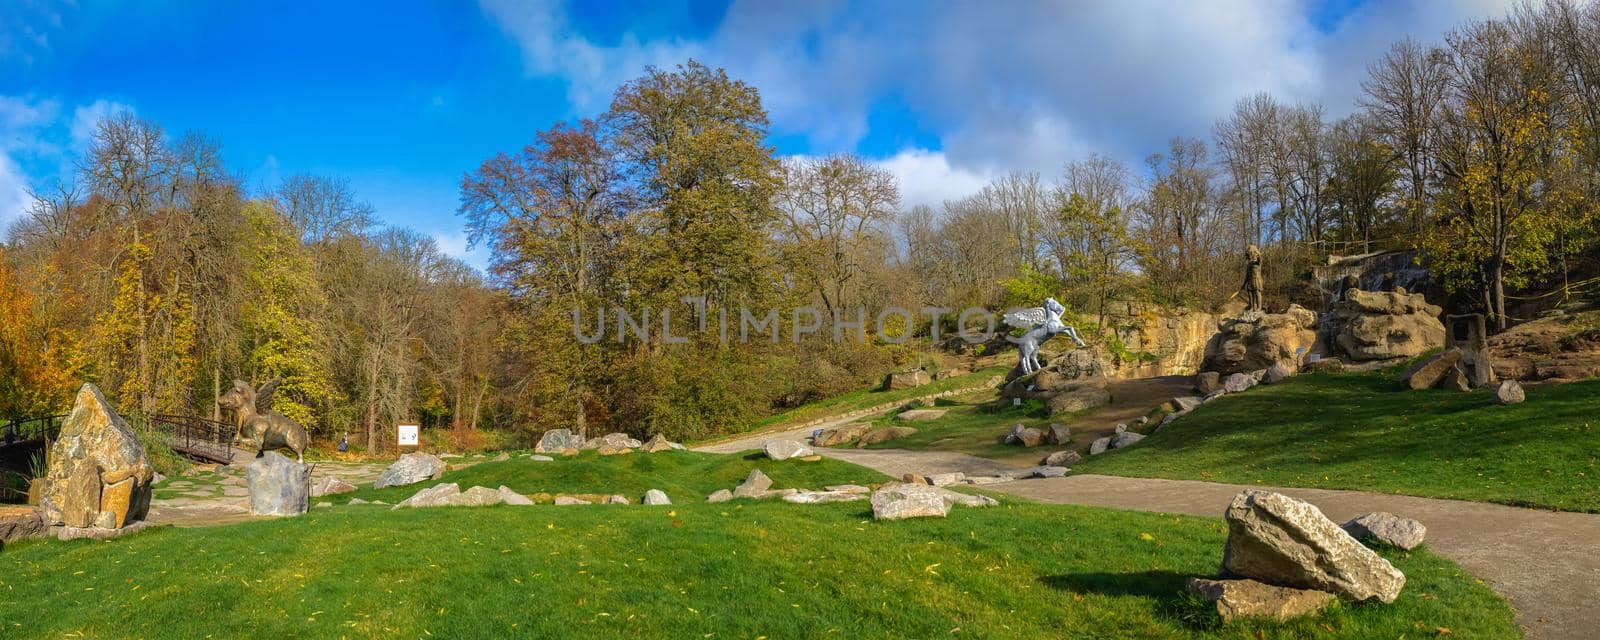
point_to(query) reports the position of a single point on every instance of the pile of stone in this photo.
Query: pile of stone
(1073, 382)
(98, 482)
(1053, 434)
(1284, 558)
(450, 495)
(1452, 369)
(565, 442)
(898, 501)
(1122, 437)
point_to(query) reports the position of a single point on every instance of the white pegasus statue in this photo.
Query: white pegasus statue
(1040, 324)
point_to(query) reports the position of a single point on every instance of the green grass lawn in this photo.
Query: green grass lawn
(865, 398)
(975, 429)
(685, 476)
(1358, 431)
(731, 570)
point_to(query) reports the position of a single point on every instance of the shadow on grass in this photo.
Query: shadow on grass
(1166, 588)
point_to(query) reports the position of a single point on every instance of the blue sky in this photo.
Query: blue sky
(402, 97)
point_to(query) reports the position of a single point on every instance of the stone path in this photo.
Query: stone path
(211, 495)
(1546, 563)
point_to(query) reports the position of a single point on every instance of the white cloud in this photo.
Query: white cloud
(14, 197)
(87, 118)
(455, 245)
(926, 177)
(1004, 86)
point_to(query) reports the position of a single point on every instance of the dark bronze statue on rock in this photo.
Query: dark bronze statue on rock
(1252, 279)
(258, 423)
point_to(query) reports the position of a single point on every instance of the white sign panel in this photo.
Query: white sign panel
(408, 435)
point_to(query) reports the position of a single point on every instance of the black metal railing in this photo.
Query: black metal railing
(30, 430)
(197, 437)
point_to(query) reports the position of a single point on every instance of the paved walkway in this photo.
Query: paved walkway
(1546, 563)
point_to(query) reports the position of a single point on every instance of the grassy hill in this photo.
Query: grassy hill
(1358, 431)
(731, 570)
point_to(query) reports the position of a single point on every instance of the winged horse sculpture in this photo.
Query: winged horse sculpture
(1039, 324)
(259, 424)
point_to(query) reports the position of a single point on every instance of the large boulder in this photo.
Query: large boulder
(558, 440)
(884, 435)
(278, 486)
(1247, 344)
(906, 380)
(1430, 372)
(611, 441)
(1383, 325)
(1061, 459)
(780, 450)
(1025, 436)
(1250, 599)
(1287, 542)
(1387, 528)
(19, 523)
(98, 473)
(908, 501)
(1509, 392)
(755, 485)
(841, 435)
(656, 497)
(411, 468)
(1124, 439)
(331, 485)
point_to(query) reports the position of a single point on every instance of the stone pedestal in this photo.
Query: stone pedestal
(278, 486)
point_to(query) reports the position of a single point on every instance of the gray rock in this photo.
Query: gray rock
(558, 440)
(541, 458)
(1387, 528)
(1258, 374)
(438, 495)
(720, 495)
(1280, 540)
(1057, 434)
(658, 443)
(614, 441)
(19, 523)
(989, 479)
(821, 497)
(1207, 381)
(1080, 398)
(1187, 403)
(1430, 372)
(848, 488)
(842, 434)
(1124, 439)
(1167, 419)
(1238, 382)
(411, 468)
(566, 501)
(1049, 471)
(908, 501)
(278, 486)
(477, 497)
(1247, 598)
(331, 485)
(1276, 373)
(1456, 380)
(656, 497)
(944, 479)
(1099, 446)
(97, 533)
(922, 415)
(513, 498)
(1509, 392)
(1214, 395)
(906, 380)
(780, 450)
(618, 500)
(1061, 459)
(1120, 428)
(754, 485)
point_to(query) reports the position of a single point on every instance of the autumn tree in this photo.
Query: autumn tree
(836, 209)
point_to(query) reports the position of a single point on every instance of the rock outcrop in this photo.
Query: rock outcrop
(1253, 343)
(1287, 542)
(98, 475)
(278, 486)
(1561, 348)
(1385, 325)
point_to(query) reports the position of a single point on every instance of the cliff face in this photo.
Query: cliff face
(1155, 342)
